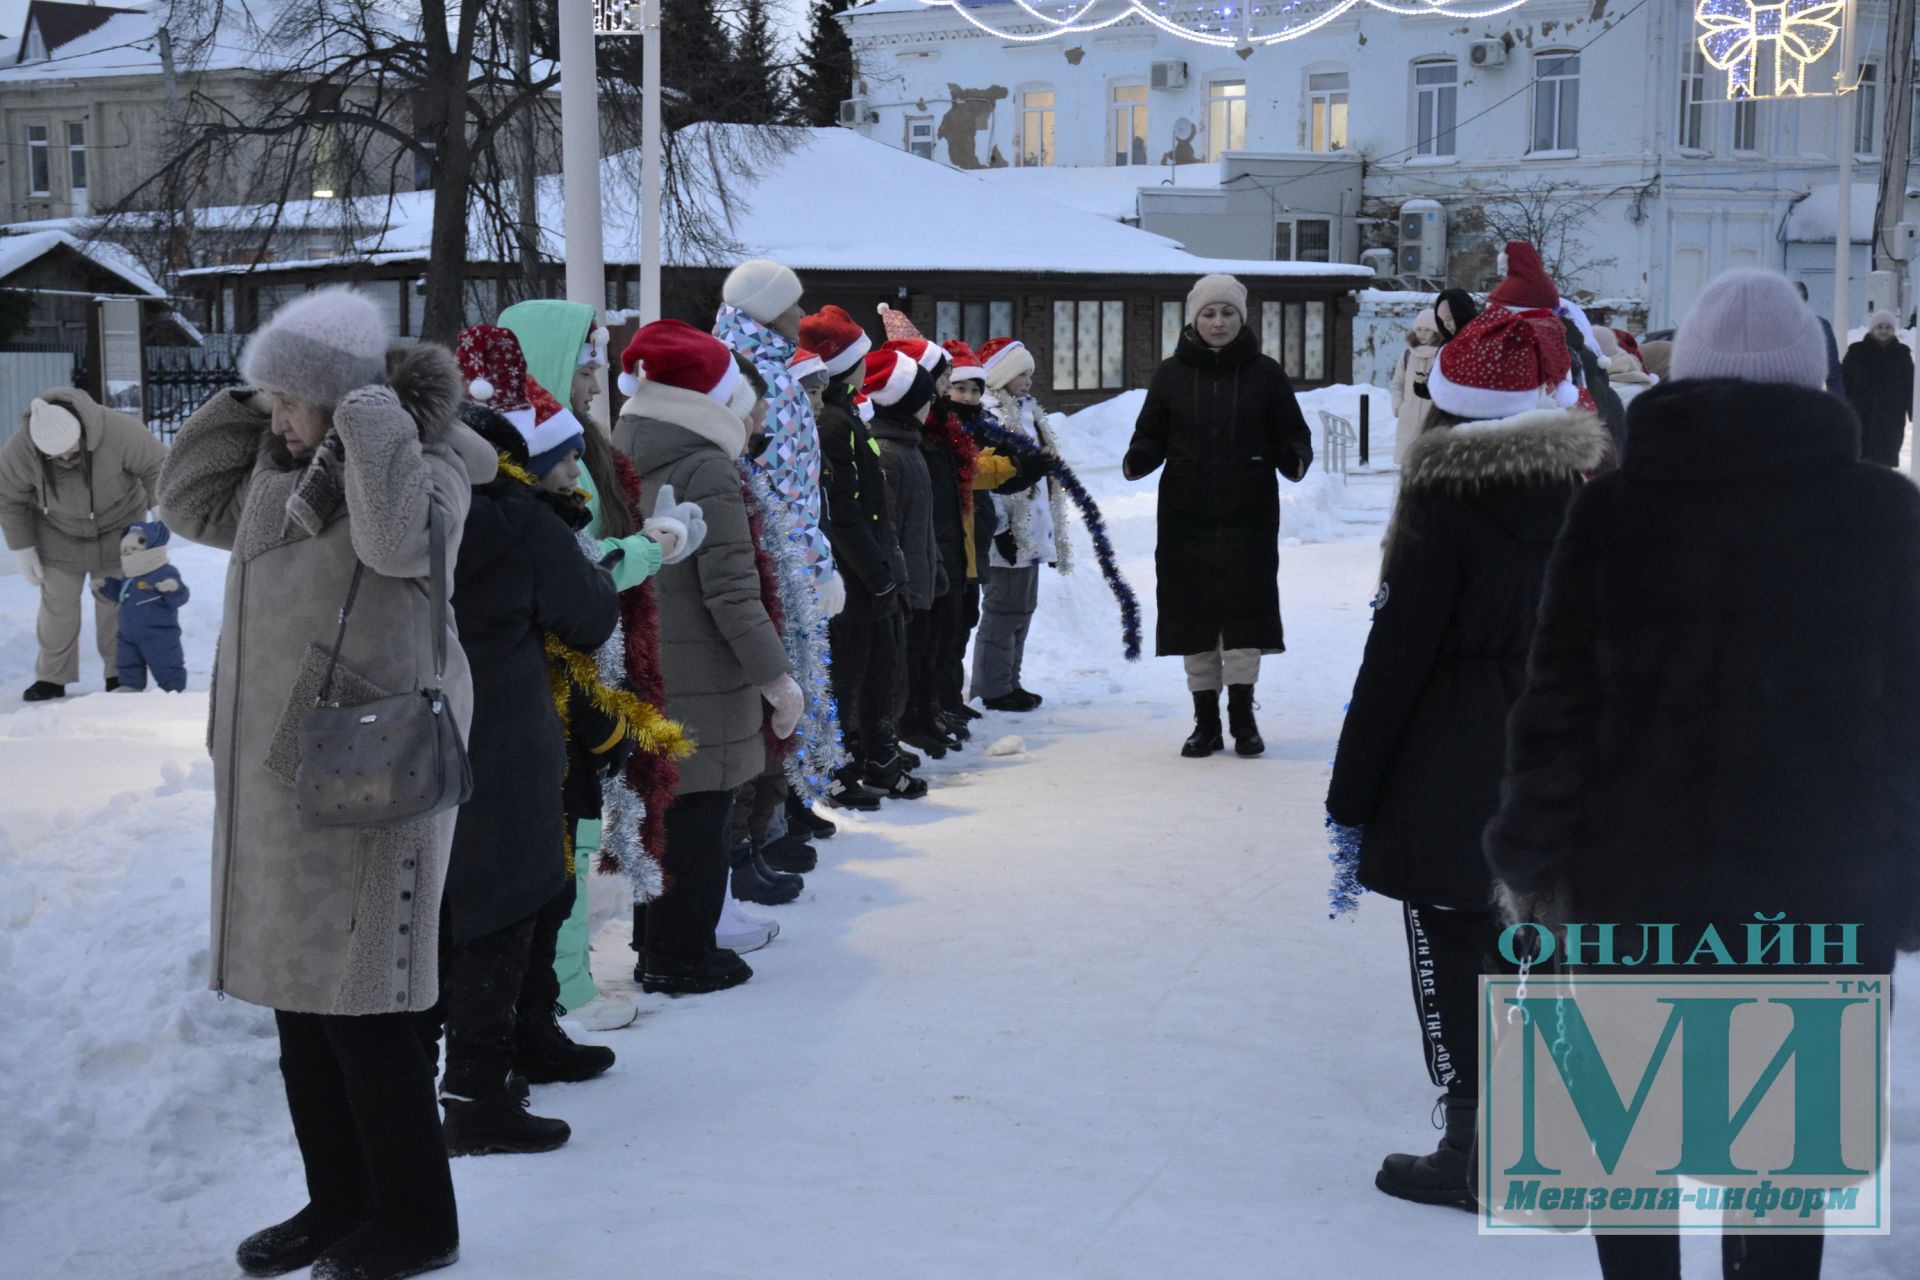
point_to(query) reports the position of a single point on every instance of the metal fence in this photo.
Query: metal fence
(180, 379)
(27, 369)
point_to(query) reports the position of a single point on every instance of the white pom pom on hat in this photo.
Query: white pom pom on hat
(480, 389)
(629, 382)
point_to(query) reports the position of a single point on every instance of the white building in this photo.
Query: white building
(1595, 122)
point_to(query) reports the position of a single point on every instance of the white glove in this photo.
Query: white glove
(667, 507)
(671, 534)
(29, 559)
(167, 585)
(833, 594)
(784, 696)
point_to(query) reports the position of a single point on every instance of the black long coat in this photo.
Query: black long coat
(1224, 422)
(520, 574)
(949, 517)
(855, 493)
(1879, 378)
(1722, 710)
(1423, 746)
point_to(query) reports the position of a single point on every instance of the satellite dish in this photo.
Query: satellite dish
(1184, 129)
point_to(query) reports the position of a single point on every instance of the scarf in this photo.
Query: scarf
(145, 560)
(321, 491)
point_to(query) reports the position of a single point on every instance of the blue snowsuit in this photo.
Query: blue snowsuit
(150, 622)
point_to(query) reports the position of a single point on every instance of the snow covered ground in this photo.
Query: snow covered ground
(1079, 1013)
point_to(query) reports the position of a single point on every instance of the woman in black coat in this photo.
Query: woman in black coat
(1879, 376)
(520, 576)
(1420, 756)
(1222, 417)
(1722, 708)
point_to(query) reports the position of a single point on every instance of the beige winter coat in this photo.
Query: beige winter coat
(315, 920)
(74, 512)
(1409, 407)
(717, 644)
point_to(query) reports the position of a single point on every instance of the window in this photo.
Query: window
(1089, 345)
(1327, 111)
(1436, 91)
(1746, 126)
(326, 163)
(1295, 334)
(1692, 133)
(920, 136)
(1556, 102)
(1129, 124)
(972, 322)
(1226, 117)
(1173, 318)
(77, 156)
(1866, 112)
(39, 162)
(1313, 240)
(1270, 330)
(1036, 127)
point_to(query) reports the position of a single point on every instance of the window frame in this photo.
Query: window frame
(77, 152)
(1340, 99)
(1071, 328)
(1694, 97)
(1866, 111)
(932, 140)
(39, 161)
(1141, 118)
(1432, 154)
(1049, 124)
(1747, 140)
(1228, 106)
(1562, 146)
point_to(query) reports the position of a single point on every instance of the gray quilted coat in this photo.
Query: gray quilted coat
(312, 920)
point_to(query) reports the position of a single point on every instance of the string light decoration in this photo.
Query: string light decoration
(1745, 39)
(1225, 25)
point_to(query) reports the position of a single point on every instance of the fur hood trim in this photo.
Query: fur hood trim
(1541, 444)
(426, 380)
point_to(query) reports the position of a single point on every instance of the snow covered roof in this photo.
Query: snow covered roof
(19, 252)
(127, 44)
(1815, 219)
(1108, 191)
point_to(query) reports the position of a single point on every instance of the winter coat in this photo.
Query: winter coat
(73, 513)
(991, 472)
(856, 502)
(1421, 752)
(717, 643)
(1224, 422)
(1836, 373)
(910, 499)
(1880, 388)
(1029, 512)
(520, 576)
(791, 461)
(950, 518)
(1722, 707)
(1409, 406)
(310, 919)
(1590, 373)
(146, 612)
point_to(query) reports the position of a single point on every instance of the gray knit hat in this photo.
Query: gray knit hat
(1751, 325)
(319, 347)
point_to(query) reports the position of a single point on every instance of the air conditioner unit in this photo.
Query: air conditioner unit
(1379, 261)
(1487, 53)
(1423, 239)
(853, 113)
(1169, 75)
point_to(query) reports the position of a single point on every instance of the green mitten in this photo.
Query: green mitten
(637, 559)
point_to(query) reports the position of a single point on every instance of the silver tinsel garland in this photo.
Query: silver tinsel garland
(817, 749)
(621, 809)
(1006, 411)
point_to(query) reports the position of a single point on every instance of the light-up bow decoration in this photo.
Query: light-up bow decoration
(1797, 33)
(1226, 24)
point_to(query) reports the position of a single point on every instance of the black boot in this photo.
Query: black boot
(412, 1225)
(336, 1176)
(1246, 734)
(716, 971)
(847, 791)
(768, 872)
(955, 725)
(544, 1054)
(42, 690)
(1444, 1177)
(1205, 738)
(892, 779)
(1017, 700)
(499, 1124)
(790, 853)
(749, 885)
(810, 825)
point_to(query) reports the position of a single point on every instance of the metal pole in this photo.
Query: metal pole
(650, 167)
(1846, 80)
(580, 155)
(1366, 406)
(1909, 241)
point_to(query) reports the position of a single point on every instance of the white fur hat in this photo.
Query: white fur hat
(319, 347)
(52, 427)
(762, 288)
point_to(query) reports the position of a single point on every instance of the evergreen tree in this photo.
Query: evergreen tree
(758, 85)
(696, 66)
(826, 66)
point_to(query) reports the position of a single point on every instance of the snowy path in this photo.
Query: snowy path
(1079, 1013)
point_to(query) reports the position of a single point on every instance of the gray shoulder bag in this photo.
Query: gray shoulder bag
(395, 759)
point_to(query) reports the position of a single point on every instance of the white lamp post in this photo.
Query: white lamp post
(580, 22)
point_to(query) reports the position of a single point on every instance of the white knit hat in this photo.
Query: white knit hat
(52, 427)
(319, 347)
(762, 288)
(1216, 288)
(1751, 325)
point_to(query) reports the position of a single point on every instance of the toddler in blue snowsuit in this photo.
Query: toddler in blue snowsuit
(149, 596)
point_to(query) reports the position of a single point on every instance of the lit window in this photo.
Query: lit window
(1130, 124)
(1089, 345)
(1436, 104)
(1556, 102)
(1226, 117)
(1692, 133)
(39, 161)
(1327, 111)
(1036, 127)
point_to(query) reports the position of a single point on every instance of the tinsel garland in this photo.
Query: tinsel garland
(1019, 506)
(1344, 896)
(634, 821)
(623, 814)
(777, 748)
(945, 429)
(815, 750)
(1015, 445)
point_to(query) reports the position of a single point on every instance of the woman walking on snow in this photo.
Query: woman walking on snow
(341, 460)
(1879, 376)
(1222, 417)
(1409, 384)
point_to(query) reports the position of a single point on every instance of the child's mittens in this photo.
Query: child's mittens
(108, 590)
(671, 534)
(168, 585)
(666, 506)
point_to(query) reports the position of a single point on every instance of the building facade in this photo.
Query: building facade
(1594, 127)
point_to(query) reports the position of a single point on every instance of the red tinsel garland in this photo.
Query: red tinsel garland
(948, 430)
(653, 778)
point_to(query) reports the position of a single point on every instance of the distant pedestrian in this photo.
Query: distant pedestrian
(1836, 374)
(1879, 373)
(1409, 384)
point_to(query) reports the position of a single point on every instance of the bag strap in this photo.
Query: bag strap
(436, 583)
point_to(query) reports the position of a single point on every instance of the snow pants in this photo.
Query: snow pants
(1006, 613)
(572, 961)
(850, 636)
(680, 922)
(480, 984)
(951, 678)
(931, 636)
(760, 809)
(151, 649)
(58, 626)
(1447, 952)
(540, 987)
(883, 691)
(1216, 668)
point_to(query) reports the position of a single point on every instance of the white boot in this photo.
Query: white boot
(741, 931)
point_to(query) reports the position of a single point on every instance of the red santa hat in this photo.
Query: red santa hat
(806, 364)
(833, 333)
(1502, 365)
(1005, 359)
(920, 351)
(897, 325)
(494, 366)
(1527, 286)
(675, 354)
(966, 365)
(890, 377)
(863, 406)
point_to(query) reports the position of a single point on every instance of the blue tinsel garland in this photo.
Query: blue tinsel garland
(1014, 445)
(1344, 896)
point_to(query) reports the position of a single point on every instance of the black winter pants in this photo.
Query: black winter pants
(680, 922)
(963, 617)
(755, 807)
(883, 696)
(480, 982)
(540, 989)
(850, 639)
(1741, 1257)
(1447, 952)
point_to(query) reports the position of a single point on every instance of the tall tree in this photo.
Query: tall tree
(698, 62)
(759, 92)
(825, 78)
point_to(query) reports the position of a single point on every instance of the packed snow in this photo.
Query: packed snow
(1079, 1013)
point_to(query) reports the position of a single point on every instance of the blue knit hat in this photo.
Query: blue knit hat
(546, 460)
(154, 531)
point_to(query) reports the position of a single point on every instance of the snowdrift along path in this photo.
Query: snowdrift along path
(1079, 1013)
